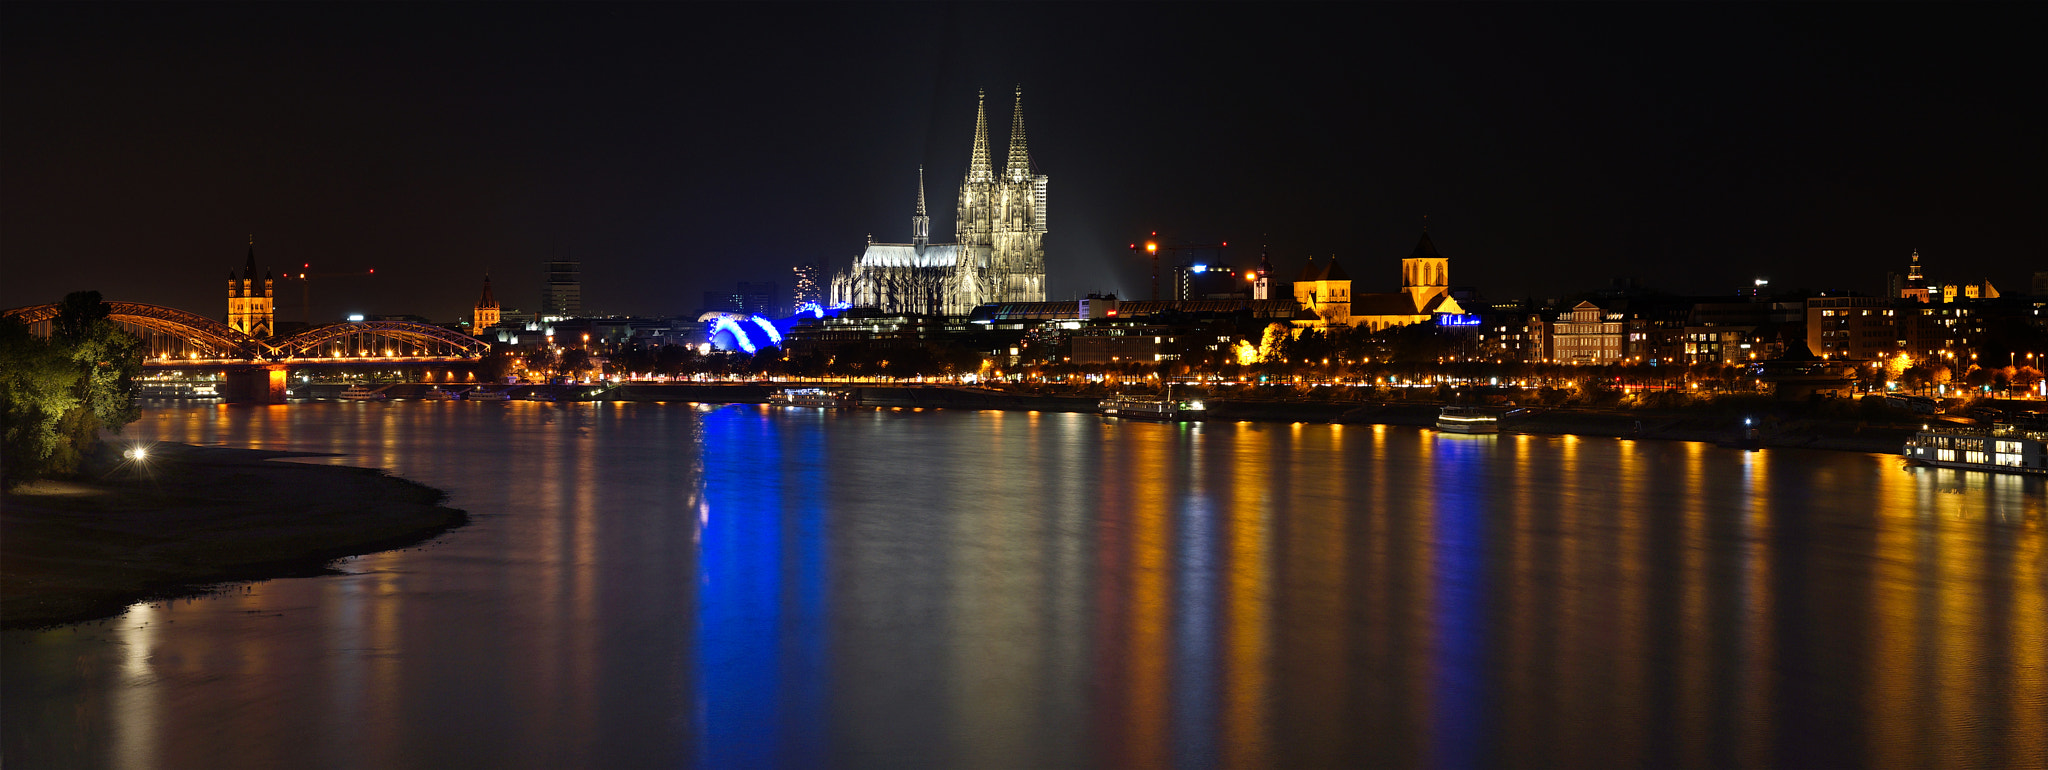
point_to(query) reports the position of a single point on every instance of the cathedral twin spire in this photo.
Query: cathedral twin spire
(1020, 157)
(980, 167)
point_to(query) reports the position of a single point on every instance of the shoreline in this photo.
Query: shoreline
(1780, 424)
(190, 519)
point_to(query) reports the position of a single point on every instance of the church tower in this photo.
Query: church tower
(1916, 284)
(973, 227)
(1262, 285)
(1017, 263)
(250, 300)
(487, 311)
(1425, 274)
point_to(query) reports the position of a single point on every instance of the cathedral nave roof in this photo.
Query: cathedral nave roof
(905, 255)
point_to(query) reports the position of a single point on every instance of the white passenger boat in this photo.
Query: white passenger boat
(363, 393)
(2005, 447)
(1467, 419)
(1164, 407)
(822, 398)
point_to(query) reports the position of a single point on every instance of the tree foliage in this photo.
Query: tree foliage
(57, 393)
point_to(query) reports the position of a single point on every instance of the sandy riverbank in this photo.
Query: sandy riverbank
(191, 517)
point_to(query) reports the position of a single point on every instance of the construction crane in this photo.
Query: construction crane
(1152, 249)
(305, 278)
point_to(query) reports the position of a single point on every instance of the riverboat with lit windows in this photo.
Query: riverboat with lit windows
(818, 398)
(1467, 419)
(1166, 407)
(488, 395)
(363, 393)
(2005, 447)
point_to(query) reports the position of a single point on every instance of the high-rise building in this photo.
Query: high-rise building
(487, 310)
(809, 288)
(1000, 231)
(762, 298)
(562, 294)
(250, 299)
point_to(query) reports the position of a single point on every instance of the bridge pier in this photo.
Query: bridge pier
(262, 384)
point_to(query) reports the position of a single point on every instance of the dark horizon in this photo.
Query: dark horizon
(679, 149)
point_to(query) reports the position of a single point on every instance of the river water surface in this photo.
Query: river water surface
(664, 585)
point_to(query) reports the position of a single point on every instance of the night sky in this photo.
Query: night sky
(680, 148)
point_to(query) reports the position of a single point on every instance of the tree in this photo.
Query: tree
(56, 394)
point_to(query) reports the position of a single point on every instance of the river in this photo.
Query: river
(672, 585)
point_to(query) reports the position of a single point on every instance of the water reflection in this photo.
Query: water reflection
(739, 586)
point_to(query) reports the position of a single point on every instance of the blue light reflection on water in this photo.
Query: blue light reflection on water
(1463, 471)
(761, 637)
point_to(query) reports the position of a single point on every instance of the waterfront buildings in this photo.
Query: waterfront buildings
(1587, 335)
(999, 253)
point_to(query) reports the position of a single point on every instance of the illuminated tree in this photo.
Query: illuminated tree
(56, 394)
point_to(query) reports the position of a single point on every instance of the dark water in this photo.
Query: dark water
(675, 585)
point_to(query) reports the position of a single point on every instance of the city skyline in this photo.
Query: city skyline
(1551, 149)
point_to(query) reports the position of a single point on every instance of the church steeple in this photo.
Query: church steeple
(979, 169)
(488, 314)
(921, 222)
(1019, 167)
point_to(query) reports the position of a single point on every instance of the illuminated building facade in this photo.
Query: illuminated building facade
(1000, 231)
(1588, 335)
(250, 300)
(810, 286)
(1851, 327)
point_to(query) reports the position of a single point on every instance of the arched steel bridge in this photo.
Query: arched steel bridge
(179, 338)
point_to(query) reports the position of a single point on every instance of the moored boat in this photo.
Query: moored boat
(1467, 419)
(363, 393)
(821, 398)
(2004, 447)
(488, 395)
(1164, 407)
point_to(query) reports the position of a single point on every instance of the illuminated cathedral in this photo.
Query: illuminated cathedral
(999, 255)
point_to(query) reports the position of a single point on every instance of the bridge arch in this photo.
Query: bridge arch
(209, 337)
(428, 340)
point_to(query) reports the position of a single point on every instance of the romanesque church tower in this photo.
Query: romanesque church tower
(250, 301)
(487, 311)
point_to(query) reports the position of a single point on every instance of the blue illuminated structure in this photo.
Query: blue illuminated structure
(1448, 319)
(753, 333)
(735, 334)
(774, 337)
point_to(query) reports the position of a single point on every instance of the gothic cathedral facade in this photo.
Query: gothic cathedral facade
(999, 253)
